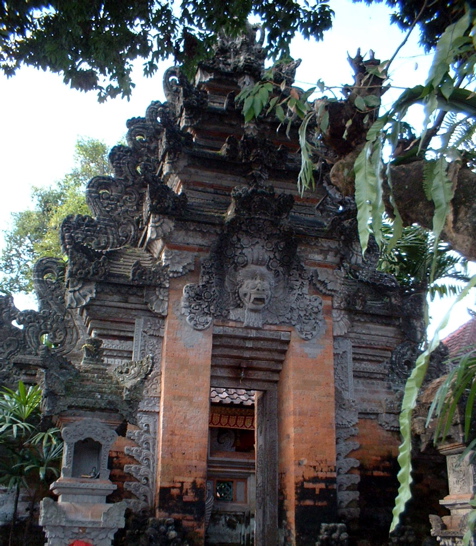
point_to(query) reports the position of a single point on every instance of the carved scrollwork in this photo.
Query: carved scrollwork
(130, 373)
(187, 100)
(178, 262)
(145, 453)
(84, 231)
(154, 276)
(11, 337)
(79, 293)
(244, 53)
(333, 534)
(261, 153)
(402, 363)
(53, 323)
(253, 274)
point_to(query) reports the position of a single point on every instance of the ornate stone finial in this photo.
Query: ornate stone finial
(243, 53)
(285, 72)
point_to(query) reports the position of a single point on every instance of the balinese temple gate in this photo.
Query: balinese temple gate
(218, 351)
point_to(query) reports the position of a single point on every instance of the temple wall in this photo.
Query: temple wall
(307, 433)
(183, 424)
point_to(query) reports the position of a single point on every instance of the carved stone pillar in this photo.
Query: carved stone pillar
(81, 512)
(450, 530)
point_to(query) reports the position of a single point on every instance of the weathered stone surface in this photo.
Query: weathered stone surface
(202, 266)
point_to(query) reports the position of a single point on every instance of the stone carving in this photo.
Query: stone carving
(328, 281)
(458, 471)
(346, 419)
(344, 380)
(79, 293)
(259, 152)
(254, 285)
(222, 439)
(402, 362)
(341, 322)
(81, 430)
(161, 200)
(11, 337)
(178, 262)
(146, 455)
(253, 274)
(389, 419)
(58, 378)
(131, 373)
(448, 537)
(244, 53)
(53, 324)
(209, 502)
(150, 276)
(154, 531)
(332, 534)
(185, 100)
(63, 527)
(158, 228)
(86, 263)
(148, 334)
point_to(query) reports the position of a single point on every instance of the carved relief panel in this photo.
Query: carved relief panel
(253, 274)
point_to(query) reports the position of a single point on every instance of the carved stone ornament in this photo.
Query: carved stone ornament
(145, 453)
(244, 53)
(253, 274)
(333, 534)
(11, 337)
(122, 204)
(130, 373)
(64, 526)
(82, 430)
(402, 363)
(346, 419)
(53, 324)
(179, 262)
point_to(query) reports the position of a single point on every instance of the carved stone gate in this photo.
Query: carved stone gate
(202, 266)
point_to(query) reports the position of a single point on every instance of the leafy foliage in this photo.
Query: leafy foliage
(93, 44)
(458, 388)
(35, 233)
(289, 105)
(29, 455)
(411, 261)
(412, 388)
(452, 66)
(449, 88)
(456, 393)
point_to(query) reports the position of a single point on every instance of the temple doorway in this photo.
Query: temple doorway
(231, 481)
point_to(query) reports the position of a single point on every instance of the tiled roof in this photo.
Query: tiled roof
(232, 396)
(462, 338)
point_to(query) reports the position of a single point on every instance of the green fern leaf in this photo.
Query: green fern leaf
(410, 395)
(368, 193)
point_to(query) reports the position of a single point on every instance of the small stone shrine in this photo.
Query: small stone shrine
(218, 351)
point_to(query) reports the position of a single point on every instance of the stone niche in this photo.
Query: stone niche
(81, 510)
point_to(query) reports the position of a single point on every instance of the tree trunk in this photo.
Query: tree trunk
(15, 515)
(415, 208)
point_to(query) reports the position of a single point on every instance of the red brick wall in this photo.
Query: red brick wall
(183, 426)
(307, 433)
